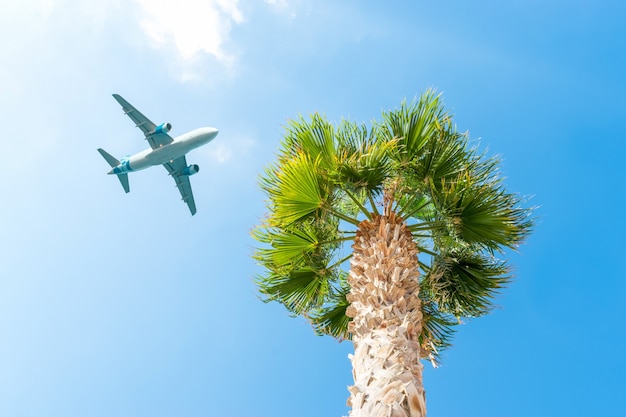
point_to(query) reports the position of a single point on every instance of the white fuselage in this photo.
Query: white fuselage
(165, 153)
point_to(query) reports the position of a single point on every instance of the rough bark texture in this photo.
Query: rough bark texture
(387, 322)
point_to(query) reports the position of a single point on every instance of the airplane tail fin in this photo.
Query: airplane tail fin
(114, 163)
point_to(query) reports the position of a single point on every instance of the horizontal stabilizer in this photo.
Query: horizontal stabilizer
(114, 163)
(124, 180)
(109, 158)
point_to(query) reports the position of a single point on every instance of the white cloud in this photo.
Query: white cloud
(221, 153)
(193, 27)
(189, 33)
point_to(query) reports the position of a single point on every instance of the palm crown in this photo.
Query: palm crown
(413, 163)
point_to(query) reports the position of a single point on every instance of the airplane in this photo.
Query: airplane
(164, 150)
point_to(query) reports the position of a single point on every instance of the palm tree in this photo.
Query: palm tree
(376, 198)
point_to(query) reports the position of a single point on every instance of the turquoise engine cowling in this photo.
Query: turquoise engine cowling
(191, 170)
(163, 128)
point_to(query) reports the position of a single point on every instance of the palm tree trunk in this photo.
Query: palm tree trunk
(387, 321)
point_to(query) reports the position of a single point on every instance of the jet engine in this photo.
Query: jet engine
(191, 169)
(163, 128)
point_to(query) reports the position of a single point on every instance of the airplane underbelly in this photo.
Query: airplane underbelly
(158, 156)
(141, 160)
(164, 154)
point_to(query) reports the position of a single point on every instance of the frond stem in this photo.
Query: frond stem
(422, 236)
(363, 209)
(339, 262)
(426, 251)
(339, 240)
(426, 226)
(343, 217)
(411, 213)
(373, 203)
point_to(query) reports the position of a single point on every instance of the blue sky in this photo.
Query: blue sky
(125, 305)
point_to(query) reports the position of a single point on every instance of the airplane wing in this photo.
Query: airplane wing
(175, 168)
(156, 139)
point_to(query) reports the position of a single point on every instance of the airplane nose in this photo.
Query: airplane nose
(206, 134)
(212, 132)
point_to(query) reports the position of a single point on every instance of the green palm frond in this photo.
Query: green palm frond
(443, 157)
(367, 170)
(315, 138)
(299, 290)
(414, 124)
(482, 213)
(362, 161)
(331, 318)
(463, 282)
(295, 190)
(286, 246)
(438, 327)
